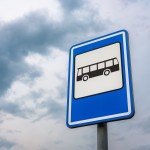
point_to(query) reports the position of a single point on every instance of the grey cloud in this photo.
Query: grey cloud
(11, 69)
(8, 72)
(6, 144)
(16, 108)
(144, 125)
(120, 138)
(35, 33)
(128, 2)
(55, 110)
(14, 131)
(58, 142)
(53, 107)
(17, 39)
(142, 147)
(62, 91)
(71, 5)
(3, 117)
(12, 108)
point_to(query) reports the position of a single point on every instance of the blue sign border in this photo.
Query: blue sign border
(78, 112)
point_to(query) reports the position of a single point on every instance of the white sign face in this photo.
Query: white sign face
(98, 71)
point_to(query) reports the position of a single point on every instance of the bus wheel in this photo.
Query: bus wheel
(85, 78)
(106, 72)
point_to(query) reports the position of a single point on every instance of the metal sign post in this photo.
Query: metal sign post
(102, 138)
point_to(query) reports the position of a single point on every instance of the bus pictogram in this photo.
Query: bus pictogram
(97, 69)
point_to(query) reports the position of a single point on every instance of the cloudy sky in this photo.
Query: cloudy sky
(35, 37)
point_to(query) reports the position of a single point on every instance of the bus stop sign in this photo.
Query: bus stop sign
(99, 81)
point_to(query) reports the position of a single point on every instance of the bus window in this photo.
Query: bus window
(93, 67)
(115, 61)
(101, 66)
(109, 63)
(86, 69)
(79, 72)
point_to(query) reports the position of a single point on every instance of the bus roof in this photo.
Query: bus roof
(98, 62)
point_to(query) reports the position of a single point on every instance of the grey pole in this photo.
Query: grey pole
(102, 138)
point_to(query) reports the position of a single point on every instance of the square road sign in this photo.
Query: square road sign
(99, 81)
